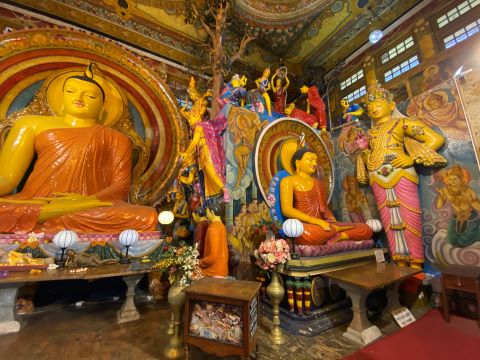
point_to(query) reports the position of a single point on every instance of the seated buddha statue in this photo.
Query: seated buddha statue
(304, 197)
(81, 176)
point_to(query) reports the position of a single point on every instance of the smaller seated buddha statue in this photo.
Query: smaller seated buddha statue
(304, 197)
(215, 251)
(263, 85)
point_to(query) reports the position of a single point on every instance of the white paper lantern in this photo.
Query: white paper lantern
(292, 228)
(65, 238)
(166, 217)
(375, 225)
(128, 237)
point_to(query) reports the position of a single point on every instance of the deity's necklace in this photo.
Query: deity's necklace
(380, 142)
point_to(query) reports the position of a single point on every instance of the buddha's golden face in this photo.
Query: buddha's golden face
(307, 164)
(379, 109)
(82, 99)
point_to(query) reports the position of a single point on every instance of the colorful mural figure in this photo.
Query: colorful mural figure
(464, 227)
(280, 91)
(82, 175)
(307, 118)
(304, 197)
(207, 143)
(396, 143)
(354, 203)
(440, 108)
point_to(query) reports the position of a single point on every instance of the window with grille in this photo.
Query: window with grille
(356, 93)
(401, 68)
(398, 49)
(352, 79)
(461, 34)
(456, 12)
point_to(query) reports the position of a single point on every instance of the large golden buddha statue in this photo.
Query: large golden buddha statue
(82, 175)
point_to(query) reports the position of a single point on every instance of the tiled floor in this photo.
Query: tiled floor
(91, 332)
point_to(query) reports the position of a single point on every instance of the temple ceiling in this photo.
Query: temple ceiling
(300, 33)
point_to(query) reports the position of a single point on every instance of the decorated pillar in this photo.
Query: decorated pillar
(369, 69)
(424, 38)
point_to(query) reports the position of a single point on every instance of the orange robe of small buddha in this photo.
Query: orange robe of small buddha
(314, 203)
(94, 160)
(215, 254)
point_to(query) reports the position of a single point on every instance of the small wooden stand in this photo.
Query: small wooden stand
(460, 278)
(243, 294)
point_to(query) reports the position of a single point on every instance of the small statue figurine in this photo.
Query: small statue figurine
(201, 227)
(234, 93)
(315, 100)
(215, 255)
(396, 144)
(307, 118)
(263, 85)
(83, 259)
(350, 112)
(279, 91)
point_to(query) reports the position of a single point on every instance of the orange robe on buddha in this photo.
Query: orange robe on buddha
(215, 253)
(94, 160)
(314, 203)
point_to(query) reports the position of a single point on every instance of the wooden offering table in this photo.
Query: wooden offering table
(130, 273)
(358, 282)
(222, 316)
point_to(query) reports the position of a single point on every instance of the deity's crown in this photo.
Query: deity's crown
(376, 92)
(192, 86)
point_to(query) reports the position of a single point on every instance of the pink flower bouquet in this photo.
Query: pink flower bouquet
(271, 253)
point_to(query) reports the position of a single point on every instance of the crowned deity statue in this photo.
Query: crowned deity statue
(396, 143)
(82, 173)
(207, 143)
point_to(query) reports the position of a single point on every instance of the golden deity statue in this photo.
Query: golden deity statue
(82, 175)
(396, 143)
(206, 143)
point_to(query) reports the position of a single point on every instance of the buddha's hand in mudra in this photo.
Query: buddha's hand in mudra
(67, 203)
(323, 224)
(402, 161)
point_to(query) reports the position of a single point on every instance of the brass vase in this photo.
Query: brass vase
(175, 348)
(276, 292)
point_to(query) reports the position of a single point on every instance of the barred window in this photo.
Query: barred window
(456, 12)
(397, 50)
(401, 68)
(356, 93)
(461, 34)
(352, 79)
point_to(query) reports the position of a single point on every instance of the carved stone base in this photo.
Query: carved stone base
(8, 295)
(129, 312)
(365, 337)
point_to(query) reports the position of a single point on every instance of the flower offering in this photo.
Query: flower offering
(272, 252)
